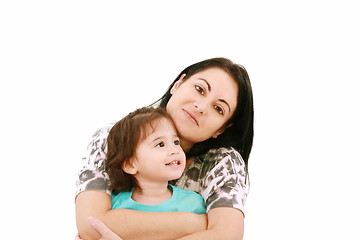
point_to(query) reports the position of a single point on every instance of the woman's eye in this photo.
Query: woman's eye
(160, 144)
(177, 142)
(219, 110)
(199, 89)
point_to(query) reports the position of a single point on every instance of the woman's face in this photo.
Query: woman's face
(202, 104)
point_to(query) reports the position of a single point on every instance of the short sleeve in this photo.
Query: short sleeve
(92, 175)
(224, 185)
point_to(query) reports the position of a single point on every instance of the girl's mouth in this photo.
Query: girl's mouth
(173, 163)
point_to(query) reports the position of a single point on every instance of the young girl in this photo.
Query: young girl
(140, 172)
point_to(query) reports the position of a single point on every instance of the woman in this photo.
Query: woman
(212, 108)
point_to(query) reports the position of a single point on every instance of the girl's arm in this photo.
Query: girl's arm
(224, 223)
(131, 224)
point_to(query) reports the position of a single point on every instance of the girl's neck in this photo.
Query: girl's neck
(186, 145)
(151, 194)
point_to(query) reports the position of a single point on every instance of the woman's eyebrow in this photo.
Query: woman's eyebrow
(221, 100)
(207, 83)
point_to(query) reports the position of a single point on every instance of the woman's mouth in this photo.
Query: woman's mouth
(191, 117)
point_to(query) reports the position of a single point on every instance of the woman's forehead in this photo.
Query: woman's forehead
(218, 82)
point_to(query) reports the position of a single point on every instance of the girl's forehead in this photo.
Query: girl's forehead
(155, 125)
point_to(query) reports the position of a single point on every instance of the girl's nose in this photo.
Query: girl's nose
(174, 150)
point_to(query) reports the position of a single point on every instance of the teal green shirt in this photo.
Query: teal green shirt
(180, 201)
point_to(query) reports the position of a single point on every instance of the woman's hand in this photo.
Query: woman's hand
(102, 229)
(105, 232)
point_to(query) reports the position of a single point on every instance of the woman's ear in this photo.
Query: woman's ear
(221, 130)
(129, 167)
(177, 83)
(218, 132)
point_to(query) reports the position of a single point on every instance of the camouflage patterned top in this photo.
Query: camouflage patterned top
(218, 176)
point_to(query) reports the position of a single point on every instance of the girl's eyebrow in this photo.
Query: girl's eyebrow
(159, 138)
(209, 87)
(163, 137)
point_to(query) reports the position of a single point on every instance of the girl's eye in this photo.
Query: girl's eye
(199, 89)
(177, 142)
(160, 144)
(219, 110)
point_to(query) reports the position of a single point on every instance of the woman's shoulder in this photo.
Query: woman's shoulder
(223, 161)
(224, 184)
(224, 154)
(102, 132)
(99, 137)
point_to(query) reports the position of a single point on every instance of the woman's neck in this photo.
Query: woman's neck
(151, 193)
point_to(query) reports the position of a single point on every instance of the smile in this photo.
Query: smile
(191, 117)
(173, 163)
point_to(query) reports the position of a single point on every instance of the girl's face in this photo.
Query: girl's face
(159, 157)
(201, 105)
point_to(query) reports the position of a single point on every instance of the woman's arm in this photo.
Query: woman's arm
(131, 224)
(225, 193)
(100, 227)
(224, 223)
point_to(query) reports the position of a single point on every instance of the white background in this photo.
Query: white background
(68, 68)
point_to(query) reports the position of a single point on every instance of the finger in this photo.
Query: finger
(77, 237)
(99, 226)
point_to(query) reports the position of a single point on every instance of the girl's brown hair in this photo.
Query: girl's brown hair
(122, 142)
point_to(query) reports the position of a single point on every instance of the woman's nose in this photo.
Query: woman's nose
(201, 107)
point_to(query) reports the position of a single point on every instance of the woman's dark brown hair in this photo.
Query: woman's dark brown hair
(122, 141)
